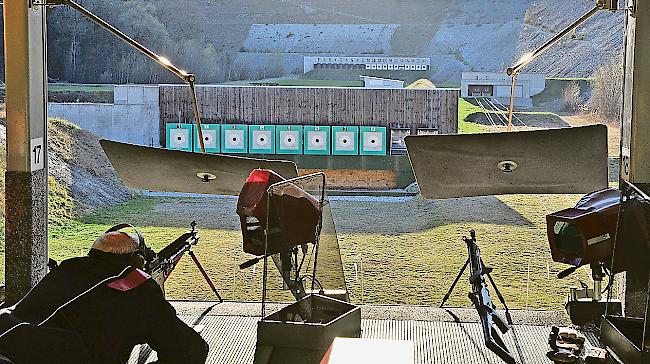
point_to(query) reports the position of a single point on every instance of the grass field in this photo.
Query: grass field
(394, 251)
(465, 109)
(73, 87)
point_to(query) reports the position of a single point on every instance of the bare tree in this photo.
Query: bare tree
(607, 94)
(571, 100)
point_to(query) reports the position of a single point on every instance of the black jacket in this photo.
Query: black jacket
(77, 315)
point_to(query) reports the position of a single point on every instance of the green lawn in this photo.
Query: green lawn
(404, 252)
(465, 110)
(470, 117)
(73, 87)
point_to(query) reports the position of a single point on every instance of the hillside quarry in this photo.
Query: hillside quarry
(259, 39)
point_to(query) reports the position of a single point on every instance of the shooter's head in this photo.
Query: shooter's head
(122, 244)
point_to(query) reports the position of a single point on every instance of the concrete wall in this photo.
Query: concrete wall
(133, 118)
(527, 85)
(376, 82)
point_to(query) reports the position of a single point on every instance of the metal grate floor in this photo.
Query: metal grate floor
(232, 340)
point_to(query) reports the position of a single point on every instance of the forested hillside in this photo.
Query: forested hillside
(223, 40)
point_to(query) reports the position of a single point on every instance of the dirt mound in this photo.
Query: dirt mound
(422, 83)
(78, 162)
(81, 179)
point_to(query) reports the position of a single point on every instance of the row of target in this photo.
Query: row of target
(279, 139)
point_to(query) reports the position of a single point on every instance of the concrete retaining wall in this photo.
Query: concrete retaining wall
(133, 118)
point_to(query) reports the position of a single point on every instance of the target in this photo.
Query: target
(234, 139)
(209, 138)
(345, 141)
(317, 140)
(373, 141)
(262, 140)
(289, 140)
(179, 138)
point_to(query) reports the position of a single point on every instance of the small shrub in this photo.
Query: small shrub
(571, 100)
(607, 95)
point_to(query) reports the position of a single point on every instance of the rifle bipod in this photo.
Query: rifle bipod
(205, 274)
(480, 297)
(494, 285)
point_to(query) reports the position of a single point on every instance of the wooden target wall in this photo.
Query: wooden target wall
(393, 108)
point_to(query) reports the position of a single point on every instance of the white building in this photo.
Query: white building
(367, 63)
(497, 86)
(378, 82)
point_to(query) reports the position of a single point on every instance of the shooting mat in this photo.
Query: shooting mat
(165, 170)
(567, 160)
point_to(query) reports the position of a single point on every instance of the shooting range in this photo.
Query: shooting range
(343, 182)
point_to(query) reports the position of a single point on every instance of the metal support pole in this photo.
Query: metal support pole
(527, 58)
(197, 116)
(26, 176)
(512, 101)
(166, 63)
(187, 77)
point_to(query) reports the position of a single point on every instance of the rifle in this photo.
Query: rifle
(162, 264)
(480, 296)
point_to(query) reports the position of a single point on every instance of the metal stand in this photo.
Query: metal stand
(494, 285)
(205, 275)
(480, 297)
(287, 261)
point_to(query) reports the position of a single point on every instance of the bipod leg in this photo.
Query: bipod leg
(462, 270)
(205, 275)
(501, 299)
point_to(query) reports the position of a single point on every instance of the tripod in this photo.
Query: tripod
(474, 256)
